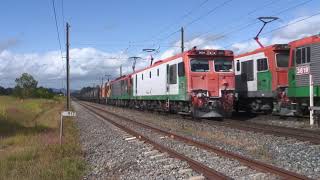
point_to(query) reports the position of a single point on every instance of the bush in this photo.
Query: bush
(43, 93)
(26, 87)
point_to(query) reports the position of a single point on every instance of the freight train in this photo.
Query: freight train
(214, 83)
(196, 82)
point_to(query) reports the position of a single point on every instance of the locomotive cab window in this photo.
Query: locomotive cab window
(181, 71)
(238, 65)
(199, 65)
(303, 55)
(247, 70)
(282, 59)
(173, 74)
(222, 65)
(262, 64)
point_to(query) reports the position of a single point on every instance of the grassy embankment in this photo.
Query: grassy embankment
(29, 141)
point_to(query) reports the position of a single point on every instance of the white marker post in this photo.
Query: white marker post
(67, 114)
(311, 100)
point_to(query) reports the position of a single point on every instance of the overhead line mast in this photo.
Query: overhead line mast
(182, 40)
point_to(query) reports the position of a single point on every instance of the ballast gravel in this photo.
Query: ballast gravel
(113, 154)
(287, 153)
(231, 168)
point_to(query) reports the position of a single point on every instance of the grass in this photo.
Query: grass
(29, 141)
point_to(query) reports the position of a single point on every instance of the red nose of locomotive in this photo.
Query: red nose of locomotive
(211, 71)
(211, 82)
(226, 81)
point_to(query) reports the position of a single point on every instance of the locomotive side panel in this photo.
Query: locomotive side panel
(315, 63)
(160, 82)
(251, 81)
(306, 59)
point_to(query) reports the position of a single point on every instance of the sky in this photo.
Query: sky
(104, 34)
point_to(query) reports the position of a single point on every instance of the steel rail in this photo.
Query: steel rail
(300, 134)
(205, 170)
(254, 164)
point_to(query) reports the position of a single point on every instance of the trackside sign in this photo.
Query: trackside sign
(68, 113)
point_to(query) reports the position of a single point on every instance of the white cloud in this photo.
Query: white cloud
(199, 42)
(86, 66)
(247, 46)
(297, 30)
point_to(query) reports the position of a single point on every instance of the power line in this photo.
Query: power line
(276, 29)
(251, 12)
(209, 12)
(62, 7)
(197, 19)
(63, 18)
(223, 35)
(263, 6)
(57, 28)
(120, 44)
(182, 17)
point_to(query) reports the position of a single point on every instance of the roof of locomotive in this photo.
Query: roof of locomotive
(161, 61)
(263, 49)
(307, 40)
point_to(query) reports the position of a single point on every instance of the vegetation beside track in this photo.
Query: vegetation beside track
(29, 141)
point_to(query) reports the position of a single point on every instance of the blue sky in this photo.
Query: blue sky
(106, 28)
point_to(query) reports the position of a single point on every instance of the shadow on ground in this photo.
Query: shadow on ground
(11, 128)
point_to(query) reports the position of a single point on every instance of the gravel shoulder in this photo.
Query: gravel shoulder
(292, 122)
(113, 154)
(288, 153)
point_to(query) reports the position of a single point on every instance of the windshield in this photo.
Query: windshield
(199, 65)
(282, 59)
(222, 65)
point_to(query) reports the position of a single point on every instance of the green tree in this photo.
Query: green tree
(42, 92)
(26, 86)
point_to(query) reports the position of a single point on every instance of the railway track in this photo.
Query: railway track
(205, 170)
(300, 134)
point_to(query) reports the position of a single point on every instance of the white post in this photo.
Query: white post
(61, 128)
(311, 100)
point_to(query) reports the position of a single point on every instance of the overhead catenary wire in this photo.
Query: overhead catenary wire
(62, 11)
(254, 22)
(241, 17)
(182, 17)
(57, 28)
(278, 28)
(208, 13)
(196, 19)
(58, 35)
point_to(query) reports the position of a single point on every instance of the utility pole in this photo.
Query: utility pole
(101, 81)
(120, 70)
(68, 68)
(182, 40)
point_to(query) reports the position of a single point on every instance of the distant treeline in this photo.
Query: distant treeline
(26, 87)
